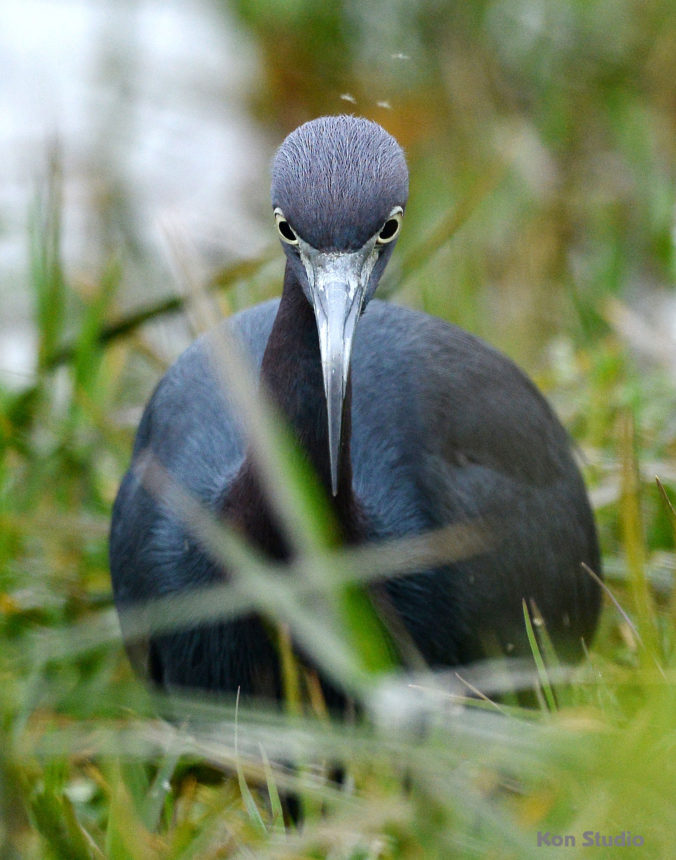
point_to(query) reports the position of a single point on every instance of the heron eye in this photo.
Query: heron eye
(390, 228)
(284, 228)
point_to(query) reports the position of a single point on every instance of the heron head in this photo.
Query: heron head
(339, 190)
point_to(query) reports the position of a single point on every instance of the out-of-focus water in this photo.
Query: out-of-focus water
(144, 100)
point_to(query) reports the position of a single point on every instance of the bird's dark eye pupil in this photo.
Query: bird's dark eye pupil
(389, 229)
(286, 231)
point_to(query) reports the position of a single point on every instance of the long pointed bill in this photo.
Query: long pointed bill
(337, 285)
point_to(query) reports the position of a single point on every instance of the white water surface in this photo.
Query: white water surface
(145, 102)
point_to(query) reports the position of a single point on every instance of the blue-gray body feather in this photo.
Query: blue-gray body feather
(444, 429)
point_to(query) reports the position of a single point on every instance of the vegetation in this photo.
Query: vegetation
(541, 143)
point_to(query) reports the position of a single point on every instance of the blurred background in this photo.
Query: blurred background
(546, 127)
(135, 143)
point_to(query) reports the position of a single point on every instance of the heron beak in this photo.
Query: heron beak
(337, 285)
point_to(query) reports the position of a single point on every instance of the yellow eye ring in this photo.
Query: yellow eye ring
(285, 230)
(390, 229)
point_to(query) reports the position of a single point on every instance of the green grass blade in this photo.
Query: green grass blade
(539, 662)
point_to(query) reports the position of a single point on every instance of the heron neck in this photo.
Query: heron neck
(291, 372)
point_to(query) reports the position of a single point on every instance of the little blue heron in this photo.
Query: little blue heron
(410, 423)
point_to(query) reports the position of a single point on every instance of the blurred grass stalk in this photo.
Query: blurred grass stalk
(45, 255)
(647, 624)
